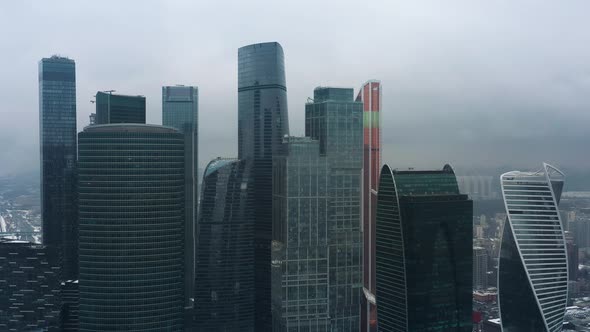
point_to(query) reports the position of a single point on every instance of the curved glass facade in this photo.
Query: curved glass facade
(224, 286)
(262, 100)
(423, 263)
(533, 269)
(262, 123)
(131, 219)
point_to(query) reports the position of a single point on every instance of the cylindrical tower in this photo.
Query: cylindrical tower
(131, 226)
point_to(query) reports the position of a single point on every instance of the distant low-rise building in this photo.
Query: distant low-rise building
(485, 296)
(477, 187)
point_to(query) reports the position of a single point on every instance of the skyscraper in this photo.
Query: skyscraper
(423, 252)
(114, 108)
(57, 136)
(335, 120)
(300, 277)
(180, 110)
(224, 285)
(572, 256)
(29, 287)
(480, 268)
(370, 95)
(131, 212)
(70, 300)
(262, 123)
(533, 269)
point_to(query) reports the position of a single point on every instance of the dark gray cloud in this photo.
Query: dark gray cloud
(469, 82)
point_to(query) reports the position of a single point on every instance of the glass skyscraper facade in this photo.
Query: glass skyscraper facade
(480, 268)
(29, 287)
(180, 110)
(262, 123)
(131, 215)
(370, 95)
(423, 252)
(70, 299)
(114, 108)
(300, 238)
(224, 286)
(335, 120)
(57, 140)
(533, 268)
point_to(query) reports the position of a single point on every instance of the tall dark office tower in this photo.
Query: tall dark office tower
(300, 238)
(423, 252)
(224, 285)
(180, 110)
(29, 287)
(572, 256)
(533, 269)
(336, 121)
(70, 299)
(112, 108)
(57, 135)
(370, 95)
(131, 214)
(262, 123)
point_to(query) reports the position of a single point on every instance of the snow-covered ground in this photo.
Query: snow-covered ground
(3, 227)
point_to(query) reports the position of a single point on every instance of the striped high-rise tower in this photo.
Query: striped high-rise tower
(533, 270)
(370, 95)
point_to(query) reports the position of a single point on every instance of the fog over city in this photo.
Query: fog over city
(473, 83)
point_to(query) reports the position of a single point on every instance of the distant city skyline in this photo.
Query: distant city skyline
(182, 165)
(465, 84)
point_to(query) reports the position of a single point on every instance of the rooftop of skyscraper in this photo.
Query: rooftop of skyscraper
(119, 94)
(129, 127)
(58, 58)
(322, 94)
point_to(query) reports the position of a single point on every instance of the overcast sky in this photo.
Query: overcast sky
(473, 83)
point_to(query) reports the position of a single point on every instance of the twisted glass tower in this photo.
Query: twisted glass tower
(262, 123)
(533, 267)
